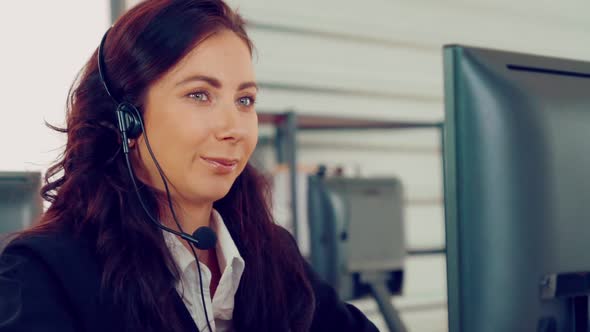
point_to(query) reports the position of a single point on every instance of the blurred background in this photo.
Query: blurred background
(353, 86)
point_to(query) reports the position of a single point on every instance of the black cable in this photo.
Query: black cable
(152, 219)
(162, 176)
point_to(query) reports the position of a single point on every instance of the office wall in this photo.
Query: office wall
(44, 45)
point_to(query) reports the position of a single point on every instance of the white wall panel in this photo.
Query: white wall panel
(274, 100)
(420, 173)
(318, 61)
(556, 30)
(425, 226)
(416, 140)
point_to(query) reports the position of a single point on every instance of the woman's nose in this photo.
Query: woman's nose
(228, 123)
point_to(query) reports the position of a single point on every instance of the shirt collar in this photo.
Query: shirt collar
(225, 246)
(231, 265)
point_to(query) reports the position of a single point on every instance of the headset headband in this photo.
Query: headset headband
(102, 67)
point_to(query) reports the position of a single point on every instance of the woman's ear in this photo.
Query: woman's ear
(131, 143)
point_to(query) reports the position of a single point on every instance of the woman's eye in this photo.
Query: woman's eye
(246, 101)
(199, 96)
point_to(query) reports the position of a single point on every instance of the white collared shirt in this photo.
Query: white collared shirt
(231, 266)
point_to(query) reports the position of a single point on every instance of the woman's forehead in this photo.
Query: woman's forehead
(223, 55)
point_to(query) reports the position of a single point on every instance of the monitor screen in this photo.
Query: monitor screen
(517, 187)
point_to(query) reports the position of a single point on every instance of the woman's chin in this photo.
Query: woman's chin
(208, 189)
(216, 193)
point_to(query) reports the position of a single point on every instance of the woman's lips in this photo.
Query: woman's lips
(221, 165)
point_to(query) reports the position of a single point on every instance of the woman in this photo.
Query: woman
(178, 75)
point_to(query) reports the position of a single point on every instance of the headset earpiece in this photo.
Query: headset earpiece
(128, 120)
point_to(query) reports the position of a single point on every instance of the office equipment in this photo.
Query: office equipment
(20, 202)
(517, 190)
(357, 238)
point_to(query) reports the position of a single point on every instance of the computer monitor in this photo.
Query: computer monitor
(517, 191)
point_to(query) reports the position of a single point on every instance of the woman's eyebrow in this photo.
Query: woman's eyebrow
(215, 82)
(247, 85)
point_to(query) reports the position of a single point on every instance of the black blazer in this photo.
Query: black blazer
(52, 282)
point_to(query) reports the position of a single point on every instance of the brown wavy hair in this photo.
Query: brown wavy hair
(90, 190)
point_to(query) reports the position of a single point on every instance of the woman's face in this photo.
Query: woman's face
(200, 120)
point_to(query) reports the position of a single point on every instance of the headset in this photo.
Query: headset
(130, 124)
